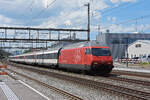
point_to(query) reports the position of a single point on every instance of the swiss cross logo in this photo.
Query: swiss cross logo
(78, 56)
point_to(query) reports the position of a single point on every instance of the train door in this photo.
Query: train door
(87, 56)
(42, 58)
(24, 59)
(59, 51)
(34, 57)
(58, 56)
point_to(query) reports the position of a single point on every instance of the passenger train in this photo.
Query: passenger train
(85, 56)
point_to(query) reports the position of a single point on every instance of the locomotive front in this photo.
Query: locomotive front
(100, 59)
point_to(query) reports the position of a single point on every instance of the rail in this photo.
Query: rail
(127, 92)
(62, 92)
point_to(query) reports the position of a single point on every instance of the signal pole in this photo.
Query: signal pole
(88, 27)
(99, 28)
(127, 53)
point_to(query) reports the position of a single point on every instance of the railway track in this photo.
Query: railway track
(141, 82)
(123, 91)
(144, 75)
(64, 93)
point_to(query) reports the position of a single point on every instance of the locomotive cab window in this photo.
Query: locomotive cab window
(101, 52)
(87, 51)
(138, 45)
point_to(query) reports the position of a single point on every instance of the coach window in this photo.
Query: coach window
(48, 56)
(41, 56)
(21, 57)
(38, 57)
(131, 55)
(55, 55)
(44, 56)
(51, 56)
(32, 57)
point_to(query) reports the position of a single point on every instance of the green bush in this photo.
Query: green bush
(145, 63)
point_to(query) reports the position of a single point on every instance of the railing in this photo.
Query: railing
(132, 61)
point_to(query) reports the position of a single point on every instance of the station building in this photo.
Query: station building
(118, 42)
(139, 48)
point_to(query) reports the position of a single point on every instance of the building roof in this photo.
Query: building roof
(144, 41)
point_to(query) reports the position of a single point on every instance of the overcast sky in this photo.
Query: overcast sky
(73, 14)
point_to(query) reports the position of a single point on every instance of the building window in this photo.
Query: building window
(138, 45)
(131, 55)
(140, 55)
(115, 42)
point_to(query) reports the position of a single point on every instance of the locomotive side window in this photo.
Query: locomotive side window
(87, 51)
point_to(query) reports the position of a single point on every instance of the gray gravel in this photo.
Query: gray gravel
(76, 89)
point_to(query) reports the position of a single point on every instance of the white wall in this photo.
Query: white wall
(144, 49)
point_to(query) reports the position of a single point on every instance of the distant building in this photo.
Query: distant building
(119, 41)
(139, 48)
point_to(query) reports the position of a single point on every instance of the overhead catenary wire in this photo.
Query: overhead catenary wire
(116, 7)
(113, 8)
(128, 21)
(30, 5)
(123, 22)
(42, 11)
(109, 11)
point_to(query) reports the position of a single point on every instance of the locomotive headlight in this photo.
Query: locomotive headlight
(109, 63)
(95, 63)
(102, 61)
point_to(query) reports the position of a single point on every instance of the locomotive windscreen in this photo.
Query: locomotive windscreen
(101, 52)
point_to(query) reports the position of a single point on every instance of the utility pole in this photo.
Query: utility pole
(99, 28)
(88, 5)
(127, 58)
(136, 26)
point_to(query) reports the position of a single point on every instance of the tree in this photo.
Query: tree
(26, 51)
(4, 54)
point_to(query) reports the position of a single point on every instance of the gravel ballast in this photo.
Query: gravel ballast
(79, 90)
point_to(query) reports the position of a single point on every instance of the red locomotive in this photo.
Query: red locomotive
(86, 56)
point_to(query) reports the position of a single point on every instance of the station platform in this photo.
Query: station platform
(18, 90)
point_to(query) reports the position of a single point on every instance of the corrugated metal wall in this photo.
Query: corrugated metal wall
(118, 41)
